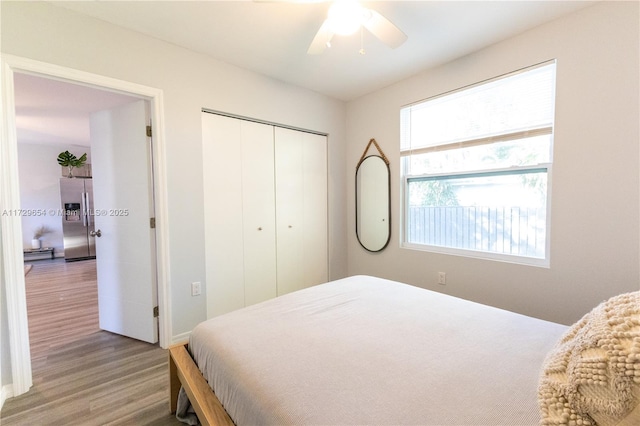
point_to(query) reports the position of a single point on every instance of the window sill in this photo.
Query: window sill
(474, 254)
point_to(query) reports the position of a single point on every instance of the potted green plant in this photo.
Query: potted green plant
(67, 159)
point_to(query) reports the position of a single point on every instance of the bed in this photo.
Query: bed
(364, 350)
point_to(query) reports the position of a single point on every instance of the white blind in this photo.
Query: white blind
(519, 102)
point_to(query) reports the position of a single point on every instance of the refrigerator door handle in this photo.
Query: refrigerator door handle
(85, 207)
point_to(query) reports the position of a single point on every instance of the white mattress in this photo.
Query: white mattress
(364, 350)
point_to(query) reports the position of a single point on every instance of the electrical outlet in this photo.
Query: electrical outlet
(195, 289)
(442, 278)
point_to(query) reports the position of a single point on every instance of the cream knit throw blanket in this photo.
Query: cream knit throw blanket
(593, 373)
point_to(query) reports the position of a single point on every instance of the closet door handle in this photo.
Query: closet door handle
(260, 228)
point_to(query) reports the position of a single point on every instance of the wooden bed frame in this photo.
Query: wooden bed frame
(184, 372)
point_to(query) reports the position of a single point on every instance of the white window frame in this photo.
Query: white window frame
(513, 135)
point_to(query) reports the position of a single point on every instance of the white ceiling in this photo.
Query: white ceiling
(272, 37)
(57, 113)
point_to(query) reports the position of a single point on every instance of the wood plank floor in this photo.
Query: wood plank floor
(62, 303)
(81, 375)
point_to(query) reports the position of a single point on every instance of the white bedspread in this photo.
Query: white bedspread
(364, 350)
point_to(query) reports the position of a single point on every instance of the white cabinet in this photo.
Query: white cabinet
(265, 200)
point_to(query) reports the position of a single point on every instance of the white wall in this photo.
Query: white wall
(190, 81)
(40, 176)
(595, 184)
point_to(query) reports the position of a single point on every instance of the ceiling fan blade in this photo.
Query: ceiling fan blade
(320, 41)
(382, 28)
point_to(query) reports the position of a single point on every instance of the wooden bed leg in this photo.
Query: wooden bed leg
(174, 385)
(184, 372)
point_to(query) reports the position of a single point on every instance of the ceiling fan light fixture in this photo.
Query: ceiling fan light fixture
(345, 17)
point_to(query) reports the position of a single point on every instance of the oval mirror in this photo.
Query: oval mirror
(373, 208)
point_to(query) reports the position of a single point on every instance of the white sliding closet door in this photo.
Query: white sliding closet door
(258, 212)
(265, 204)
(301, 209)
(239, 213)
(224, 246)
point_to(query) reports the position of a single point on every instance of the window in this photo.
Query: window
(476, 168)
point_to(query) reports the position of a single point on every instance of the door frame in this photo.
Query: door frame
(11, 234)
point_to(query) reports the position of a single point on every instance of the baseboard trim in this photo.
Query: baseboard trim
(180, 338)
(6, 392)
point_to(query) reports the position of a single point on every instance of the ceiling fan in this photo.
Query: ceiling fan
(345, 17)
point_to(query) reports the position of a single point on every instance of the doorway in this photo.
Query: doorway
(12, 233)
(54, 118)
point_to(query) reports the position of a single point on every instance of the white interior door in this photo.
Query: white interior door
(258, 212)
(224, 254)
(120, 155)
(301, 209)
(315, 209)
(289, 201)
(240, 213)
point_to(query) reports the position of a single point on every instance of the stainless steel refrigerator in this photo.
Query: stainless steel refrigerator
(76, 196)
